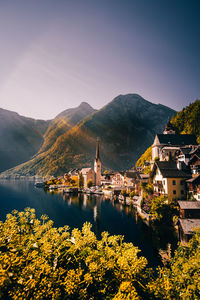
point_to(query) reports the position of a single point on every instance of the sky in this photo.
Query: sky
(55, 54)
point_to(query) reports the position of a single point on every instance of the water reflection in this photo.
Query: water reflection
(75, 210)
(161, 237)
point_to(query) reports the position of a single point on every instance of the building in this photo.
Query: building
(97, 166)
(194, 187)
(186, 228)
(189, 209)
(194, 161)
(169, 128)
(167, 146)
(118, 179)
(130, 177)
(88, 175)
(169, 180)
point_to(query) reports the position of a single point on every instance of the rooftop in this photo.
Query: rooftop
(188, 225)
(193, 179)
(169, 169)
(189, 204)
(177, 139)
(132, 174)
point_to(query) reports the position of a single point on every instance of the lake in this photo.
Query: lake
(74, 211)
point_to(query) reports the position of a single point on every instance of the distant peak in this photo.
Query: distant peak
(85, 105)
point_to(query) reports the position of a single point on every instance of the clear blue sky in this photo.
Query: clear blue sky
(58, 53)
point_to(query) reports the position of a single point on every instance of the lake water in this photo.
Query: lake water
(74, 211)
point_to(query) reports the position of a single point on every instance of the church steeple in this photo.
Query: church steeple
(97, 165)
(97, 150)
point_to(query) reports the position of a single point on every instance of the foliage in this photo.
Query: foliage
(181, 280)
(81, 181)
(187, 120)
(89, 183)
(161, 210)
(38, 261)
(146, 157)
(123, 192)
(132, 194)
(73, 182)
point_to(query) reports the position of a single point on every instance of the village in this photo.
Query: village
(174, 175)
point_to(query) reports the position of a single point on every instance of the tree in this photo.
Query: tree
(73, 182)
(181, 279)
(161, 210)
(81, 180)
(89, 183)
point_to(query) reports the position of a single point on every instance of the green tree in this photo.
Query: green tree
(81, 181)
(89, 183)
(161, 210)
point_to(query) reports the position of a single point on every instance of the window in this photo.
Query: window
(174, 182)
(163, 182)
(182, 192)
(182, 182)
(174, 192)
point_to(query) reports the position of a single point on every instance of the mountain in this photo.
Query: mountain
(126, 127)
(63, 122)
(187, 121)
(20, 137)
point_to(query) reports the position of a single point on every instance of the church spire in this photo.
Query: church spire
(97, 149)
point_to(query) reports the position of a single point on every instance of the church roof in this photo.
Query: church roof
(177, 139)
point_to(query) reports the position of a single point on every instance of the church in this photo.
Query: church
(93, 175)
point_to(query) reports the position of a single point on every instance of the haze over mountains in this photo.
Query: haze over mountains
(20, 138)
(126, 127)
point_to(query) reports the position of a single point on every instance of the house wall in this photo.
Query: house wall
(89, 176)
(155, 152)
(159, 178)
(178, 187)
(118, 179)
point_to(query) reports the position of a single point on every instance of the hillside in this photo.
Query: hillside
(63, 122)
(20, 137)
(126, 127)
(187, 121)
(146, 157)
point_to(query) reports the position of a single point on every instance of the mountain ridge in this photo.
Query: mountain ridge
(126, 126)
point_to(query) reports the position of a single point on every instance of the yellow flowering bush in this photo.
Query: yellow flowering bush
(39, 261)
